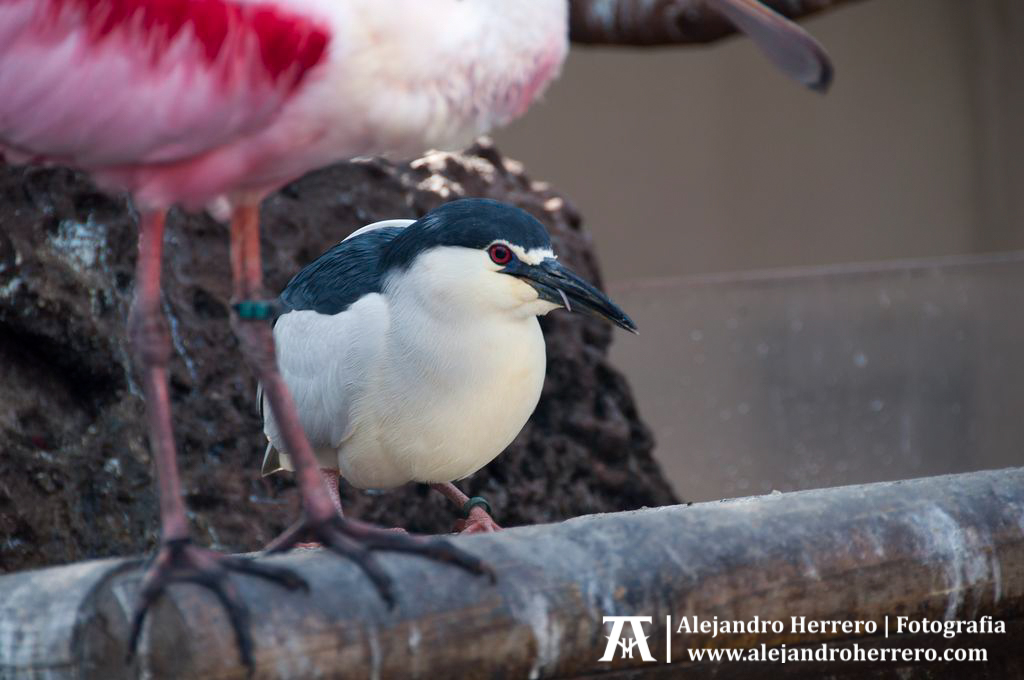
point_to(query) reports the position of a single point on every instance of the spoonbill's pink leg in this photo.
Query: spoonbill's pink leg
(177, 559)
(152, 347)
(478, 519)
(331, 478)
(331, 481)
(321, 521)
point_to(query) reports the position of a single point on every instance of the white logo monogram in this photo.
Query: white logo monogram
(639, 641)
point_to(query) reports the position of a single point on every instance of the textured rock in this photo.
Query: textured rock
(75, 477)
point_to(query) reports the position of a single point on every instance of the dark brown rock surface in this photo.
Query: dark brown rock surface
(75, 474)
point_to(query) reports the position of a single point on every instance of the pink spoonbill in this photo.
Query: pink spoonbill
(219, 102)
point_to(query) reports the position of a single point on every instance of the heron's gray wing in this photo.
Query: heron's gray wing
(343, 274)
(314, 352)
(327, 336)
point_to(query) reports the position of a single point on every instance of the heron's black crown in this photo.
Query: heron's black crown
(358, 266)
(470, 223)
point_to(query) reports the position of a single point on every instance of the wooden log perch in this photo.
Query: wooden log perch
(944, 548)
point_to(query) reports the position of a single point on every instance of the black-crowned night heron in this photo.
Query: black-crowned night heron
(413, 351)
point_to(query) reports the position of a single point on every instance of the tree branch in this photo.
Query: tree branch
(667, 22)
(945, 548)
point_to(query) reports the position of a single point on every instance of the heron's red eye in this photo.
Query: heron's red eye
(500, 254)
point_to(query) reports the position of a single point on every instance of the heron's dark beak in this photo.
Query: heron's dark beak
(560, 285)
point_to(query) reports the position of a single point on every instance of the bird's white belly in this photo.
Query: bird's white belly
(446, 429)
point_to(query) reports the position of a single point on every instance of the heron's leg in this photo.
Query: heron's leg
(321, 522)
(477, 518)
(177, 560)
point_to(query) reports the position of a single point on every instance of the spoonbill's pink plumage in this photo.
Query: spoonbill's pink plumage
(121, 85)
(182, 101)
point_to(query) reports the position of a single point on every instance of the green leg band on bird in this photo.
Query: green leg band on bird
(475, 502)
(256, 310)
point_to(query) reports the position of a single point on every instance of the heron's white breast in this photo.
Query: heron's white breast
(445, 403)
(458, 374)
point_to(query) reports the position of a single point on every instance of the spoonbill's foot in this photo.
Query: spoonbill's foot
(316, 546)
(358, 541)
(179, 561)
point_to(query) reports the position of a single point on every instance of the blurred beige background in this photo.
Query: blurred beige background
(696, 160)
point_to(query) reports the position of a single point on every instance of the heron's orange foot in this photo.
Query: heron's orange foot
(179, 561)
(478, 522)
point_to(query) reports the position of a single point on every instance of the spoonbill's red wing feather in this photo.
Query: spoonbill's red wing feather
(113, 82)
